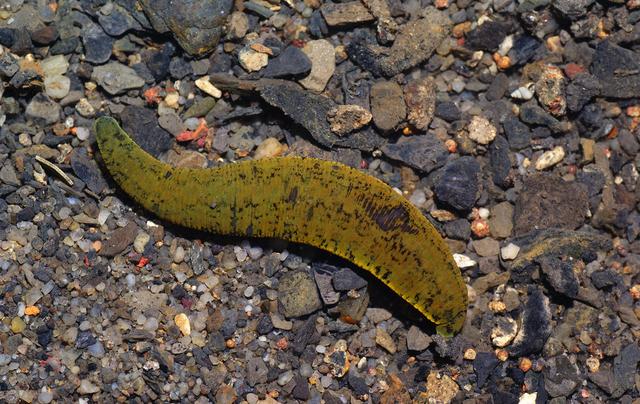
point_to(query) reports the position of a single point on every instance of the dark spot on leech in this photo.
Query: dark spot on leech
(168, 174)
(249, 231)
(293, 195)
(390, 218)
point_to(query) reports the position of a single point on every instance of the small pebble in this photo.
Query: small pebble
(550, 158)
(183, 324)
(509, 252)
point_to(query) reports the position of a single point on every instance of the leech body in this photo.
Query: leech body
(324, 204)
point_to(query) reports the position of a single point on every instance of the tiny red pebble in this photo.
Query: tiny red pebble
(186, 303)
(363, 164)
(573, 69)
(143, 261)
(152, 95)
(298, 43)
(282, 343)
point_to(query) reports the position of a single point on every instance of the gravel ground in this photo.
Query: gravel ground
(514, 126)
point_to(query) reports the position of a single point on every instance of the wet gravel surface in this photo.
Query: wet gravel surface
(514, 126)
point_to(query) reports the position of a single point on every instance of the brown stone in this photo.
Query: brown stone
(387, 106)
(547, 201)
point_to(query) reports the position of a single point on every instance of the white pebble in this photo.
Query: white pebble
(131, 280)
(255, 252)
(509, 252)
(463, 261)
(550, 158)
(248, 292)
(82, 133)
(205, 85)
(483, 213)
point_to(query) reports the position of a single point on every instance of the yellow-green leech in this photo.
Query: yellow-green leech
(321, 203)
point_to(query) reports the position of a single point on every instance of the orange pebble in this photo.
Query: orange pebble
(480, 228)
(31, 311)
(451, 145)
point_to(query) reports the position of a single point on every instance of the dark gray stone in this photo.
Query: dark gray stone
(560, 276)
(581, 90)
(425, 153)
(561, 377)
(536, 325)
(197, 25)
(291, 63)
(87, 170)
(487, 36)
(346, 279)
(500, 162)
(518, 134)
(118, 21)
(483, 366)
(572, 9)
(618, 69)
(97, 44)
(142, 124)
(448, 111)
(458, 184)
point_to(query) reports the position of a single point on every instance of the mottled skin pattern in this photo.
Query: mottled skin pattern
(320, 203)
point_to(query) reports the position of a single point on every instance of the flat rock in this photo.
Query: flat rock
(344, 14)
(581, 90)
(142, 124)
(561, 276)
(425, 153)
(483, 366)
(298, 295)
(307, 109)
(387, 105)
(487, 37)
(572, 9)
(547, 201)
(44, 109)
(609, 62)
(323, 64)
(486, 247)
(345, 279)
(323, 275)
(120, 239)
(518, 134)
(291, 62)
(116, 78)
(87, 170)
(417, 340)
(197, 25)
(549, 243)
(501, 220)
(561, 376)
(97, 44)
(117, 21)
(458, 184)
(8, 174)
(414, 44)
